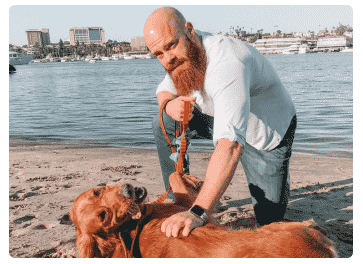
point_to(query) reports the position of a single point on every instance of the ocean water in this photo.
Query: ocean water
(112, 103)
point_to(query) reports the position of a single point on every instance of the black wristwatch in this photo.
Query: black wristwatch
(200, 212)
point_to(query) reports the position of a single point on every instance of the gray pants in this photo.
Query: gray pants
(267, 172)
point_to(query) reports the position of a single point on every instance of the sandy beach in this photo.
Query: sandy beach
(44, 180)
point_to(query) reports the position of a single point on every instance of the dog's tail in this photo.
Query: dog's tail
(324, 240)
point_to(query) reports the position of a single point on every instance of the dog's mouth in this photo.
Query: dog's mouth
(115, 215)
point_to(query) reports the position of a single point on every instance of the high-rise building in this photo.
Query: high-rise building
(87, 35)
(38, 36)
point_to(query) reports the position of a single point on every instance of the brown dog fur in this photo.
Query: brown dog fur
(107, 223)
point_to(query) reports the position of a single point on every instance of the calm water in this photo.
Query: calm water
(113, 102)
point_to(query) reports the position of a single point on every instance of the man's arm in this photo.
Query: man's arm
(163, 96)
(175, 108)
(220, 171)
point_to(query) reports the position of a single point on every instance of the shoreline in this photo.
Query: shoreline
(152, 147)
(44, 180)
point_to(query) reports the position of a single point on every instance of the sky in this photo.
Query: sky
(122, 22)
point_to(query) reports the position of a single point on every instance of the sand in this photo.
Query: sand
(44, 181)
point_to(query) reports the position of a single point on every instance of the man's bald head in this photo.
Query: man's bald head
(178, 48)
(163, 22)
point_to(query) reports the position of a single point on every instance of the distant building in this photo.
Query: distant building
(87, 35)
(334, 43)
(138, 44)
(38, 36)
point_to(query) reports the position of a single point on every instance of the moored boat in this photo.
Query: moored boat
(11, 69)
(16, 58)
(293, 49)
(347, 50)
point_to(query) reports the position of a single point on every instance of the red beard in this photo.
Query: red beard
(192, 77)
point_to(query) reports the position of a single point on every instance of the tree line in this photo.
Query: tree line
(79, 49)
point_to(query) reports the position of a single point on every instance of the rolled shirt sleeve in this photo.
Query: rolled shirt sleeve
(166, 86)
(229, 84)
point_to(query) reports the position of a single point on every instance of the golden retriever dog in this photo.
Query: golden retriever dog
(113, 221)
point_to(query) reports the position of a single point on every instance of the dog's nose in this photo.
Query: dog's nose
(126, 190)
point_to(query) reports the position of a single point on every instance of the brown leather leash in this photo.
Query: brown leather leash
(183, 126)
(179, 165)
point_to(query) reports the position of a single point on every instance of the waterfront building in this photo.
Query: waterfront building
(280, 45)
(335, 43)
(38, 36)
(275, 45)
(138, 44)
(87, 35)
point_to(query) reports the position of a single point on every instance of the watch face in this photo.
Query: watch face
(196, 209)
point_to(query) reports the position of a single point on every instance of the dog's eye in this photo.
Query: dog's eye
(97, 192)
(102, 215)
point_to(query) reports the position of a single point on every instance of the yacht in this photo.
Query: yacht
(303, 48)
(347, 50)
(126, 57)
(293, 49)
(105, 58)
(115, 57)
(16, 58)
(88, 58)
(149, 56)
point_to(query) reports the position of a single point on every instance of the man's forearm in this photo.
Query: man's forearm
(220, 171)
(163, 96)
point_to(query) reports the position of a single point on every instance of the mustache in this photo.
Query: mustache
(175, 65)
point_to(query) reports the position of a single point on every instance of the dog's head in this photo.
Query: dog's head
(100, 211)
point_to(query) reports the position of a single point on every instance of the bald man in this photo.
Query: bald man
(238, 101)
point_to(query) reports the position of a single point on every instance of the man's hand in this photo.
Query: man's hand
(175, 108)
(175, 223)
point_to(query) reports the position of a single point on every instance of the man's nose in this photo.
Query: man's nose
(170, 59)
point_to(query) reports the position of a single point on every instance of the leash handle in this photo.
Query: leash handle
(183, 142)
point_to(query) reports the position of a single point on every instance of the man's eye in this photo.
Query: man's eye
(174, 44)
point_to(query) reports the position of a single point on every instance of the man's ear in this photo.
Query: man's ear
(189, 29)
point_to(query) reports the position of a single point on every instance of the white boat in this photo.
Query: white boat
(150, 56)
(65, 60)
(16, 58)
(105, 58)
(303, 48)
(347, 50)
(293, 49)
(128, 57)
(115, 57)
(92, 61)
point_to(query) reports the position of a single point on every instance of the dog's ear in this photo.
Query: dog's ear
(140, 194)
(87, 246)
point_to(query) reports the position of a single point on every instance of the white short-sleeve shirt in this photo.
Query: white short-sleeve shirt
(243, 93)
